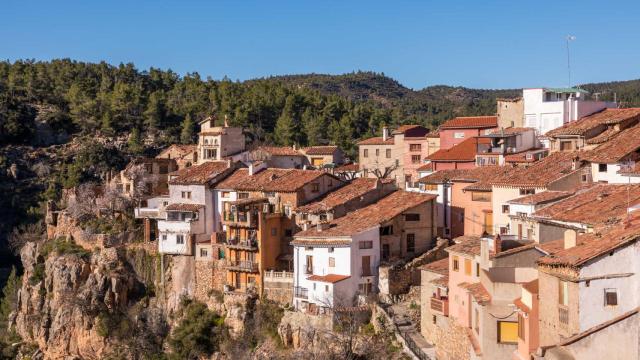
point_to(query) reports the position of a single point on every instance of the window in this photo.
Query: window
(243, 195)
(505, 209)
(411, 217)
(164, 237)
(610, 297)
(477, 270)
(365, 288)
(287, 210)
(180, 239)
(433, 319)
(164, 169)
(507, 332)
(210, 153)
(411, 243)
(504, 230)
(386, 230)
(415, 147)
(186, 194)
(430, 187)
(332, 262)
(220, 253)
(602, 167)
(521, 326)
(566, 145)
(204, 253)
(366, 245)
(388, 153)
(456, 263)
(480, 196)
(476, 321)
(415, 159)
(527, 191)
(315, 187)
(585, 178)
(326, 288)
(377, 152)
(274, 231)
(467, 267)
(563, 293)
(148, 168)
(458, 135)
(309, 269)
(323, 217)
(330, 249)
(226, 194)
(365, 153)
(397, 162)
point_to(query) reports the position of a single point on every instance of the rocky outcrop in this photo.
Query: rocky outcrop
(301, 331)
(66, 291)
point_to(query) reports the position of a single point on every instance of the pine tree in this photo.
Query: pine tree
(285, 132)
(155, 112)
(135, 143)
(186, 135)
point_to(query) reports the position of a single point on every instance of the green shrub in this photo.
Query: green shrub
(114, 325)
(61, 246)
(38, 274)
(198, 334)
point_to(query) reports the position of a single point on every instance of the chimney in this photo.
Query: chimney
(570, 239)
(385, 133)
(226, 121)
(575, 163)
(306, 226)
(497, 244)
(295, 147)
(251, 169)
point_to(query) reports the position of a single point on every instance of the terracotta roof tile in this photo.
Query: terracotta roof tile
(603, 136)
(433, 134)
(356, 188)
(182, 150)
(512, 130)
(604, 117)
(477, 290)
(348, 168)
(464, 151)
(184, 207)
(199, 174)
(462, 122)
(320, 150)
(531, 286)
(412, 131)
(598, 205)
(467, 245)
(592, 245)
(279, 150)
(320, 242)
(521, 157)
(541, 173)
(329, 278)
(541, 198)
(373, 215)
(442, 281)
(377, 141)
(439, 266)
(616, 149)
(480, 176)
(425, 167)
(271, 180)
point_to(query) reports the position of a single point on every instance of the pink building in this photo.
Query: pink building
(417, 144)
(463, 272)
(460, 156)
(459, 129)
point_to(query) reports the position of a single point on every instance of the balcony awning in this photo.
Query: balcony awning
(184, 207)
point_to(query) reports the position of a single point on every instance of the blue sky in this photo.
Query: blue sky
(484, 44)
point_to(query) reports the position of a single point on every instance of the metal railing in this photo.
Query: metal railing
(249, 243)
(243, 265)
(563, 315)
(415, 349)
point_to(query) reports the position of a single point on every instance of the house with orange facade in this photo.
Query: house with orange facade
(462, 128)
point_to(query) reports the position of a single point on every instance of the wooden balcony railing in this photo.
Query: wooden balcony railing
(440, 305)
(243, 265)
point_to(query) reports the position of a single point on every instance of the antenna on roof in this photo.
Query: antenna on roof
(569, 38)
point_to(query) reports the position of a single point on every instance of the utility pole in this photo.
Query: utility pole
(569, 38)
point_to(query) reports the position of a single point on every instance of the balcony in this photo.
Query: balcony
(243, 265)
(300, 292)
(146, 212)
(240, 219)
(237, 244)
(440, 305)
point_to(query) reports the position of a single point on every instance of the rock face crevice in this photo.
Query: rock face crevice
(63, 296)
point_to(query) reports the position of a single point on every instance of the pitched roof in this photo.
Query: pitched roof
(412, 131)
(480, 176)
(329, 278)
(599, 204)
(477, 291)
(616, 149)
(541, 197)
(184, 207)
(467, 245)
(541, 173)
(511, 131)
(521, 157)
(270, 180)
(586, 123)
(181, 149)
(464, 151)
(356, 188)
(473, 122)
(347, 168)
(439, 266)
(425, 167)
(593, 245)
(199, 174)
(373, 215)
(279, 150)
(320, 150)
(377, 141)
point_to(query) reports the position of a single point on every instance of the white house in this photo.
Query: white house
(547, 108)
(189, 214)
(336, 263)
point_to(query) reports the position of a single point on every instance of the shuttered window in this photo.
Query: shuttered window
(507, 332)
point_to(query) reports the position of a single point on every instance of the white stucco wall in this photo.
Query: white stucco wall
(611, 176)
(592, 310)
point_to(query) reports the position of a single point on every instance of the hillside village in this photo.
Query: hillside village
(505, 236)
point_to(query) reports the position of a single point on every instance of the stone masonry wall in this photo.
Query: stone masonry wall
(452, 341)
